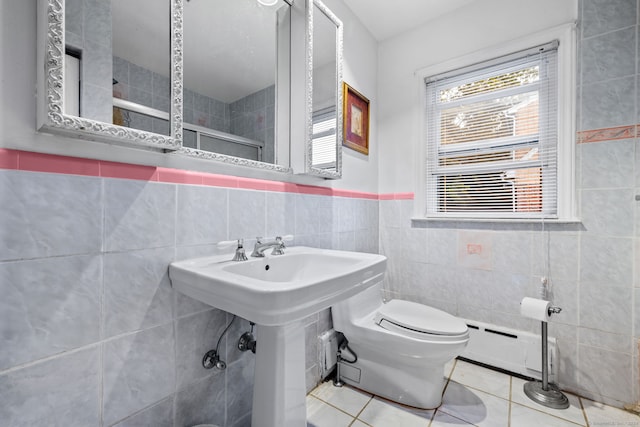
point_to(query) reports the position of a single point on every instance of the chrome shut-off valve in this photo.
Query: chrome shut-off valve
(212, 360)
(247, 341)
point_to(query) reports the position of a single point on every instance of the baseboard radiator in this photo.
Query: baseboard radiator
(496, 346)
(510, 350)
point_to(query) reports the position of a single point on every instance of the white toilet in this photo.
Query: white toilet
(401, 347)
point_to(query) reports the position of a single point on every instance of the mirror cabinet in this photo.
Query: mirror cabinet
(208, 79)
(324, 100)
(77, 50)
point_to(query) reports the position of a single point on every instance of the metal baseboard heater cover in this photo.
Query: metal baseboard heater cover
(510, 349)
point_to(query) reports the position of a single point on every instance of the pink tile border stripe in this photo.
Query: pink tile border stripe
(396, 196)
(50, 163)
(39, 162)
(607, 134)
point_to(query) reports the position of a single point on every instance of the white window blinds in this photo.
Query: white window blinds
(492, 138)
(324, 139)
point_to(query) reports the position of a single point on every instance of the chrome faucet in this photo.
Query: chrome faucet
(260, 247)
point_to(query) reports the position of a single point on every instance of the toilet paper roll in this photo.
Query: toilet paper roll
(534, 308)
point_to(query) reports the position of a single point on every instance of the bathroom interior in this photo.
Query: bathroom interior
(149, 164)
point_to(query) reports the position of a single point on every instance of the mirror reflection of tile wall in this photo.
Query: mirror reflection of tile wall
(90, 34)
(251, 117)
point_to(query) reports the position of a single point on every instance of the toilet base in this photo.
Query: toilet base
(420, 387)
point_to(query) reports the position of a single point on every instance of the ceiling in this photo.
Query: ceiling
(386, 19)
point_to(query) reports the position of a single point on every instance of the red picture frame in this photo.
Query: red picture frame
(355, 120)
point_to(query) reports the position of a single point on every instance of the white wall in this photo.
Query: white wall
(479, 25)
(359, 70)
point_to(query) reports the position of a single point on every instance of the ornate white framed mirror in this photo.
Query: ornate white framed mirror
(236, 82)
(89, 84)
(131, 73)
(323, 156)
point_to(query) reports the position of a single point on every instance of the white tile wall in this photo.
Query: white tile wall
(89, 323)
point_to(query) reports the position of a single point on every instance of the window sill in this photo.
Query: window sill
(426, 220)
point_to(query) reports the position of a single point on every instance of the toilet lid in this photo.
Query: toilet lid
(419, 317)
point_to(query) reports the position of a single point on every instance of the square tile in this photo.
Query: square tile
(138, 215)
(46, 215)
(474, 406)
(201, 403)
(383, 413)
(345, 398)
(320, 414)
(137, 290)
(601, 414)
(465, 406)
(523, 416)
(442, 419)
(159, 415)
(48, 306)
(63, 391)
(449, 366)
(130, 382)
(483, 379)
(573, 413)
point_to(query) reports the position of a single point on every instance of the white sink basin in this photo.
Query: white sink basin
(276, 290)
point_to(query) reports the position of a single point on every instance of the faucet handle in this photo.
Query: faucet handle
(279, 247)
(228, 243)
(239, 255)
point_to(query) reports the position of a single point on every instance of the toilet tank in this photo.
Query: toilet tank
(349, 311)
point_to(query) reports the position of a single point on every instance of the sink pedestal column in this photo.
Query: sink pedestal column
(279, 390)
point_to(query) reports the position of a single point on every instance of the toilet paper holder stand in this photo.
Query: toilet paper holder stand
(543, 392)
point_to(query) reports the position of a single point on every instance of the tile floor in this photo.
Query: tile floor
(474, 396)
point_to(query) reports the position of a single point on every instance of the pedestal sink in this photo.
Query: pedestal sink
(276, 293)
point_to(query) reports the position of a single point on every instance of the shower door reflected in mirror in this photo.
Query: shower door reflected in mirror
(230, 77)
(141, 64)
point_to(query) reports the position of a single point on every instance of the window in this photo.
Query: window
(492, 138)
(324, 139)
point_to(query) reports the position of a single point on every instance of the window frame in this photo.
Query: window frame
(566, 84)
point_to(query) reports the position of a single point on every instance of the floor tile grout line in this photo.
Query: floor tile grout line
(483, 391)
(584, 412)
(363, 408)
(371, 398)
(551, 415)
(510, 401)
(457, 417)
(541, 409)
(324, 402)
(444, 390)
(339, 409)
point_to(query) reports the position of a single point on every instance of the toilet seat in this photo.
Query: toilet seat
(420, 321)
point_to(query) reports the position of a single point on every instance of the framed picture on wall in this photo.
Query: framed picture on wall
(355, 120)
